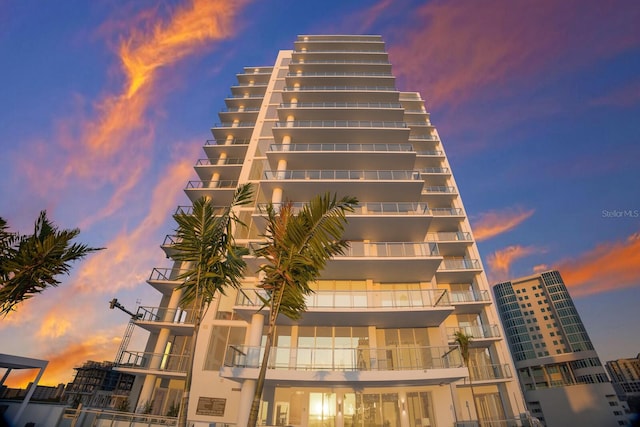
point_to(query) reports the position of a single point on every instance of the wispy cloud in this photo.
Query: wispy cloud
(500, 261)
(466, 47)
(608, 267)
(111, 144)
(492, 223)
(625, 96)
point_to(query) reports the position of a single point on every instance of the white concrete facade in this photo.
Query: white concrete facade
(376, 344)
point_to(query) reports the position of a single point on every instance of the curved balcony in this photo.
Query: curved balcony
(319, 131)
(344, 366)
(178, 320)
(376, 221)
(165, 280)
(458, 270)
(221, 192)
(389, 309)
(343, 155)
(366, 185)
(481, 335)
(380, 261)
(159, 364)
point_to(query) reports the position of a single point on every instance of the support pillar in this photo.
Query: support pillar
(254, 339)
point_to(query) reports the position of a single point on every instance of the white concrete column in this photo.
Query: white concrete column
(229, 140)
(215, 180)
(222, 159)
(253, 339)
(340, 409)
(276, 198)
(404, 413)
(286, 143)
(161, 344)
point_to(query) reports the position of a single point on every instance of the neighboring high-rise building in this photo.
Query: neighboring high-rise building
(376, 346)
(98, 385)
(561, 376)
(625, 375)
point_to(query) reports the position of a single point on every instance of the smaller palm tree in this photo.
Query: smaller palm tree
(29, 264)
(463, 341)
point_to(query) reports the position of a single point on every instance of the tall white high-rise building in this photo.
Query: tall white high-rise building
(563, 380)
(376, 346)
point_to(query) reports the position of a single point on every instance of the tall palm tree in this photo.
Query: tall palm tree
(463, 341)
(29, 264)
(212, 262)
(296, 250)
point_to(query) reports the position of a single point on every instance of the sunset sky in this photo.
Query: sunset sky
(105, 107)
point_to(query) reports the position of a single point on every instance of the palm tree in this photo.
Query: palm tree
(29, 264)
(296, 250)
(206, 246)
(463, 340)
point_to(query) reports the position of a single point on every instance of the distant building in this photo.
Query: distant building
(98, 385)
(41, 393)
(625, 375)
(561, 376)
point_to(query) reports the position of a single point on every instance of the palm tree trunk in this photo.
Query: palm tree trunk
(473, 395)
(257, 397)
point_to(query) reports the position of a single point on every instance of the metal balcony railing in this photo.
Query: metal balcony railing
(357, 299)
(216, 162)
(423, 137)
(165, 315)
(439, 189)
(430, 153)
(342, 61)
(341, 105)
(153, 361)
(166, 274)
(449, 236)
(446, 212)
(490, 372)
(434, 170)
(240, 110)
(459, 264)
(188, 210)
(475, 332)
(341, 124)
(340, 88)
(340, 147)
(335, 74)
(235, 125)
(391, 358)
(469, 296)
(234, 141)
(390, 249)
(224, 184)
(373, 208)
(374, 175)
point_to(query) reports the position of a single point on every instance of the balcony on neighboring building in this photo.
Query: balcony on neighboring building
(366, 185)
(407, 365)
(384, 308)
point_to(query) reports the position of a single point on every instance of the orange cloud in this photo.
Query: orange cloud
(466, 46)
(112, 146)
(61, 364)
(493, 223)
(607, 267)
(500, 261)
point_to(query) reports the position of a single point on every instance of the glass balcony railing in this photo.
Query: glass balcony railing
(468, 296)
(434, 170)
(340, 124)
(240, 96)
(227, 161)
(334, 74)
(390, 249)
(224, 184)
(414, 298)
(449, 236)
(423, 137)
(345, 50)
(475, 332)
(234, 141)
(392, 358)
(439, 189)
(333, 147)
(241, 110)
(459, 264)
(490, 372)
(446, 211)
(153, 361)
(430, 153)
(342, 105)
(166, 315)
(235, 125)
(373, 175)
(166, 274)
(342, 61)
(341, 88)
(372, 208)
